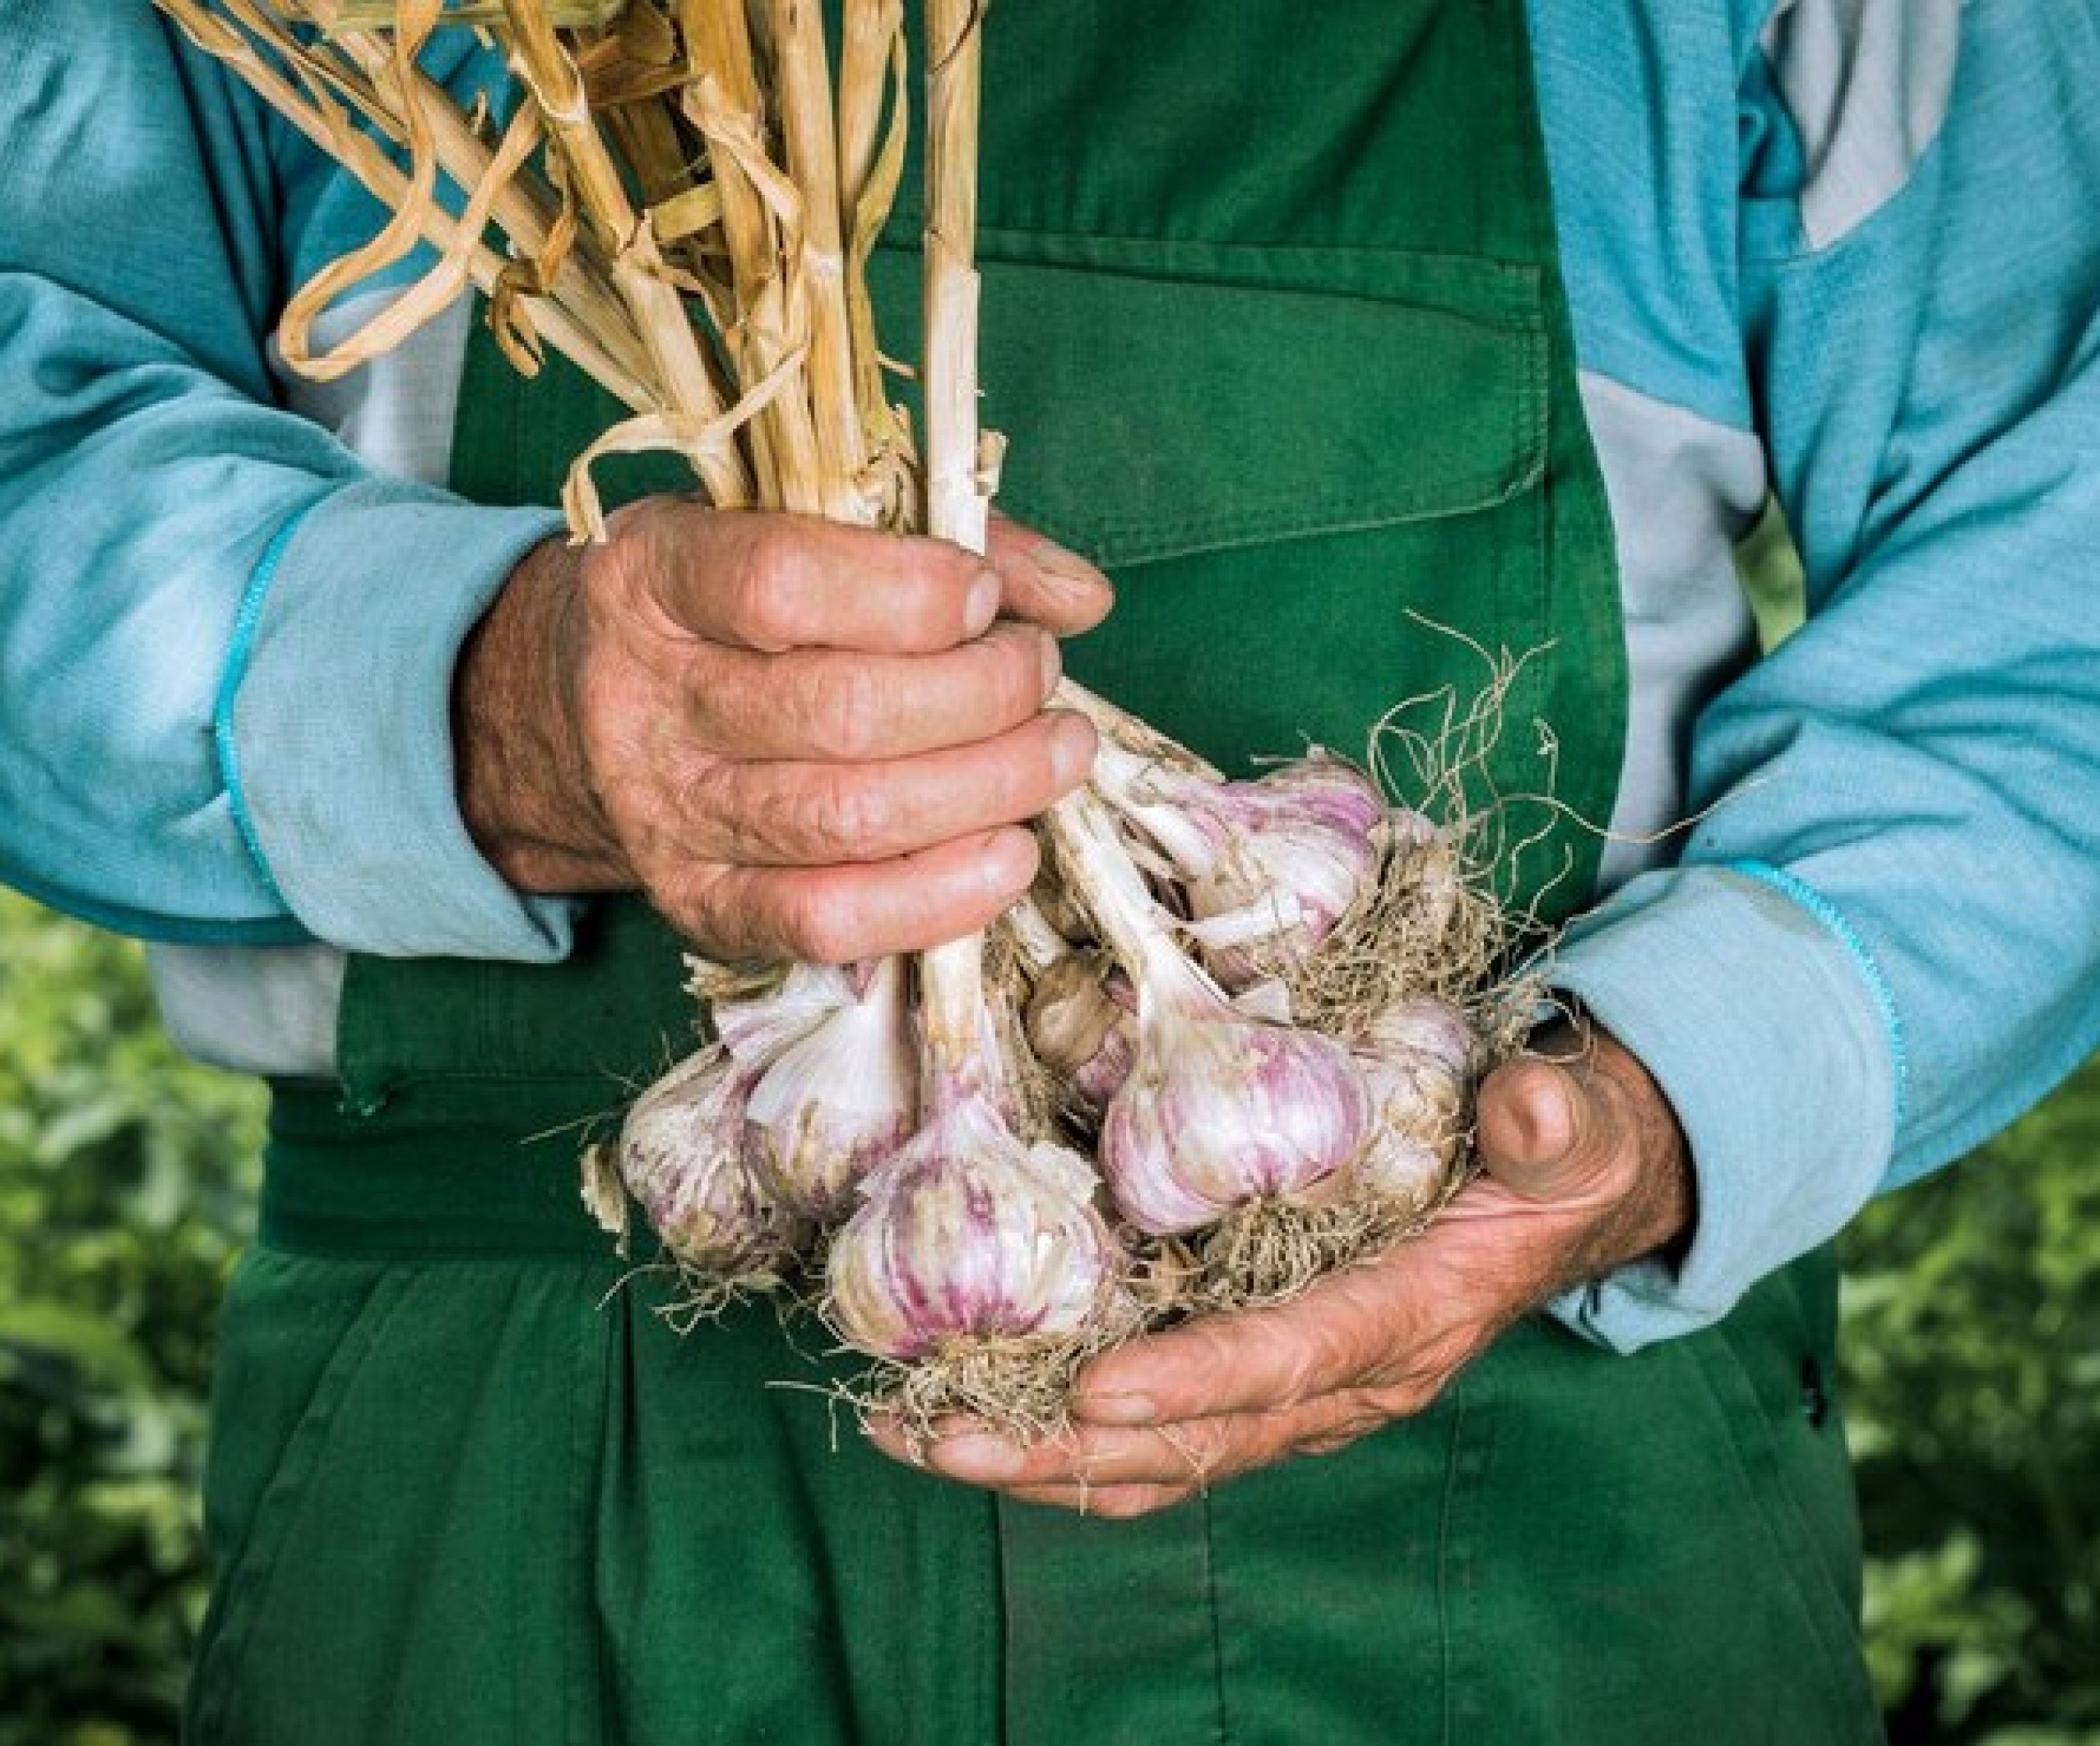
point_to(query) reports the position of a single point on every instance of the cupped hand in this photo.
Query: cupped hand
(800, 739)
(1584, 1168)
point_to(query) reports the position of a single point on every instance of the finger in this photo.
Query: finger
(771, 582)
(1091, 1456)
(1348, 1328)
(817, 816)
(1045, 583)
(837, 915)
(1563, 1127)
(1195, 1453)
(1586, 1134)
(844, 705)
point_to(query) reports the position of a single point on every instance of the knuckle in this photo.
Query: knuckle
(761, 603)
(843, 817)
(842, 709)
(694, 906)
(816, 926)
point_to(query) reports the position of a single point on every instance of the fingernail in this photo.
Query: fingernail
(1010, 862)
(982, 605)
(984, 1459)
(1067, 571)
(1117, 1409)
(1073, 746)
(1053, 664)
(1548, 1114)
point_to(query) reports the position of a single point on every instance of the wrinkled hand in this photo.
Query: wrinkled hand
(801, 740)
(1585, 1168)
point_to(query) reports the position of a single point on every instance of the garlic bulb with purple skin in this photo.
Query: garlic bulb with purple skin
(968, 1234)
(1417, 1059)
(1082, 1024)
(1269, 867)
(681, 1154)
(838, 1098)
(1219, 1110)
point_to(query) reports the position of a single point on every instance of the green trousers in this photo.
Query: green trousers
(480, 1491)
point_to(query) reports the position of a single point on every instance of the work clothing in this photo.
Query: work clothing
(1840, 252)
(1316, 413)
(1843, 252)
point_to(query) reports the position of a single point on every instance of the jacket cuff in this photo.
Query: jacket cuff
(1770, 1029)
(335, 724)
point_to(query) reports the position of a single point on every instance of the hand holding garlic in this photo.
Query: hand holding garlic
(1585, 1169)
(800, 739)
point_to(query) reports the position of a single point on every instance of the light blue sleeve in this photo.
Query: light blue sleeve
(1885, 942)
(226, 648)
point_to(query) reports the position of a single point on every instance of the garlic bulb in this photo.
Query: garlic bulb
(1082, 1024)
(681, 1156)
(1417, 1059)
(838, 1098)
(969, 1234)
(1219, 1110)
(1268, 867)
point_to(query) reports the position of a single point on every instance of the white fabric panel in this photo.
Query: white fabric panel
(1683, 491)
(1867, 82)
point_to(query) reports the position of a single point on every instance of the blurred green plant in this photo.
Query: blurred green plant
(1972, 1381)
(126, 1187)
(1972, 1358)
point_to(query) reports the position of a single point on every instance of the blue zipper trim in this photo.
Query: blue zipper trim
(1806, 896)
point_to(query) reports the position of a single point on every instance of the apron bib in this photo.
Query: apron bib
(1273, 317)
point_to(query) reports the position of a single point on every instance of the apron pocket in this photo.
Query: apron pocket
(1294, 460)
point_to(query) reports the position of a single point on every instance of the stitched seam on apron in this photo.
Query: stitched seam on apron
(1818, 1573)
(1837, 1681)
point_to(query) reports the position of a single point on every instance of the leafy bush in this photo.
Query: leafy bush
(125, 1187)
(1972, 1385)
(1972, 1348)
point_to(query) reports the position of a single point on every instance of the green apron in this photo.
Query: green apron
(1273, 318)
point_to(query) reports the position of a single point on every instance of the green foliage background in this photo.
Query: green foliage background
(1972, 1383)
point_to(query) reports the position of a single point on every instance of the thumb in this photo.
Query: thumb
(1549, 1131)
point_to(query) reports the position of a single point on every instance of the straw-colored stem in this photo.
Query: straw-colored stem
(638, 269)
(371, 166)
(951, 977)
(802, 83)
(867, 41)
(524, 211)
(872, 57)
(718, 37)
(956, 507)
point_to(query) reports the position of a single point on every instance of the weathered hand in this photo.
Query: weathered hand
(1585, 1167)
(801, 740)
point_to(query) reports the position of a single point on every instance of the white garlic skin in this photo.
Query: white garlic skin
(1219, 1111)
(835, 1102)
(1082, 1024)
(1418, 1059)
(1296, 851)
(1430, 1027)
(681, 1158)
(967, 1233)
